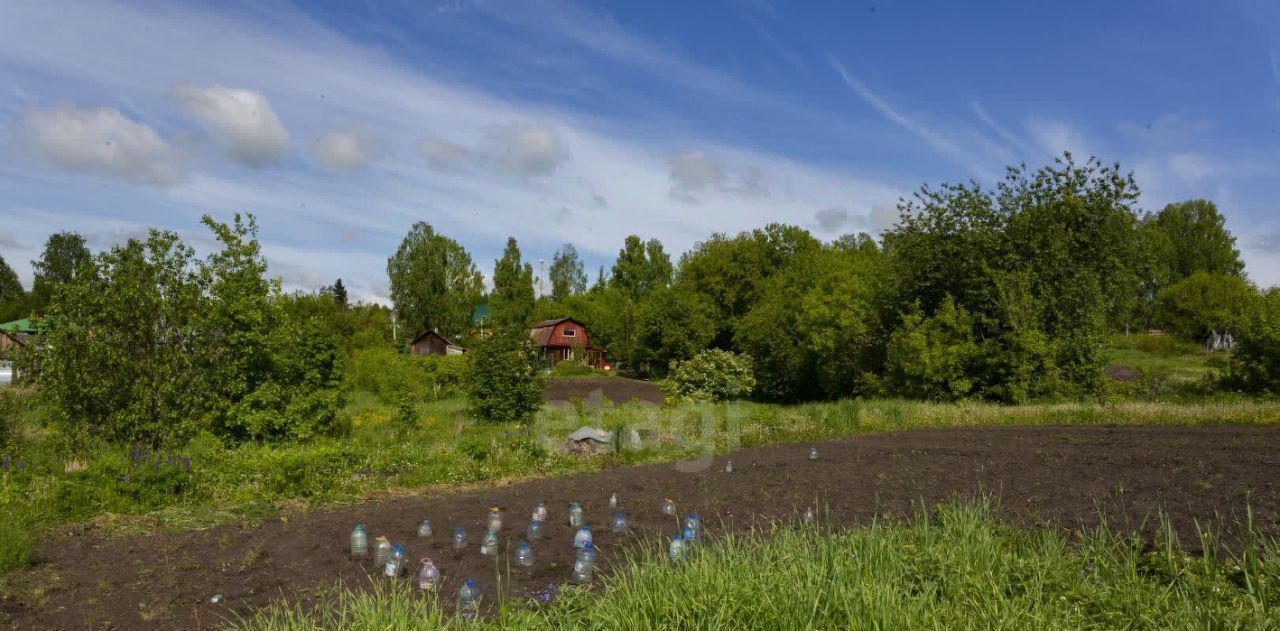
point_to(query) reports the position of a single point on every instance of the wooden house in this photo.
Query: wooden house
(432, 343)
(563, 339)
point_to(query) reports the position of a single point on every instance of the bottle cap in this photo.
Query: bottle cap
(398, 548)
(471, 582)
(359, 526)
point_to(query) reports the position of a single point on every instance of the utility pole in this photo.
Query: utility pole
(541, 275)
(394, 331)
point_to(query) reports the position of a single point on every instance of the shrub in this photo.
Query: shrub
(1255, 361)
(933, 357)
(399, 379)
(504, 378)
(711, 375)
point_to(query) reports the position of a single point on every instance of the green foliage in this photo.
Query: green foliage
(13, 298)
(671, 325)
(1255, 361)
(933, 357)
(512, 298)
(641, 267)
(434, 284)
(1203, 302)
(397, 377)
(148, 344)
(504, 380)
(567, 275)
(711, 375)
(60, 263)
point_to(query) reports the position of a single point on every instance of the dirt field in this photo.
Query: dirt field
(1041, 475)
(615, 389)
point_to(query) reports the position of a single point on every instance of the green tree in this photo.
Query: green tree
(1193, 237)
(934, 357)
(1203, 302)
(641, 267)
(434, 284)
(64, 253)
(512, 300)
(711, 375)
(13, 298)
(504, 379)
(126, 345)
(1255, 361)
(568, 278)
(671, 325)
(339, 293)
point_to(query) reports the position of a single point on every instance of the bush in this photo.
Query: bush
(504, 379)
(933, 357)
(398, 378)
(712, 375)
(1255, 361)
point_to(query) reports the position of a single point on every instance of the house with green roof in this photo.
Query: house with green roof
(17, 334)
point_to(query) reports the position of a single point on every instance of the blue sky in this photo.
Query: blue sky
(340, 124)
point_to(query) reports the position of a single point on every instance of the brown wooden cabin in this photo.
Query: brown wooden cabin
(432, 343)
(561, 339)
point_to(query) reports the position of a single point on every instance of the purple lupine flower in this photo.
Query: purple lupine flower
(186, 464)
(5, 464)
(155, 466)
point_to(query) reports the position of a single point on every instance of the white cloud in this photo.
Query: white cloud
(1055, 136)
(527, 150)
(1191, 167)
(694, 172)
(102, 141)
(344, 150)
(1168, 129)
(444, 155)
(831, 219)
(241, 119)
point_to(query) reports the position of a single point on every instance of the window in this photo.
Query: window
(570, 332)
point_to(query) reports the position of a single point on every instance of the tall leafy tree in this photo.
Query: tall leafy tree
(671, 325)
(641, 267)
(1192, 237)
(512, 299)
(504, 377)
(64, 253)
(13, 298)
(434, 284)
(568, 278)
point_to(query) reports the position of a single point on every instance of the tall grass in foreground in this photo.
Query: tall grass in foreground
(954, 568)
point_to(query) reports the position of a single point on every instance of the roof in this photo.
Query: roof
(555, 322)
(429, 333)
(541, 332)
(24, 325)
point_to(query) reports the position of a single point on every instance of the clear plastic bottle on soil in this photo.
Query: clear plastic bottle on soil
(613, 501)
(424, 528)
(694, 524)
(381, 551)
(524, 555)
(675, 551)
(534, 532)
(813, 453)
(395, 562)
(359, 543)
(459, 538)
(495, 519)
(669, 507)
(584, 566)
(728, 466)
(619, 523)
(575, 514)
(469, 598)
(429, 576)
(582, 537)
(809, 517)
(540, 512)
(489, 543)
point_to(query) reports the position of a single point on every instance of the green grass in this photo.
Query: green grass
(954, 568)
(1161, 367)
(382, 456)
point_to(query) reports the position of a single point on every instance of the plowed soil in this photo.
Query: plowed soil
(1061, 476)
(615, 389)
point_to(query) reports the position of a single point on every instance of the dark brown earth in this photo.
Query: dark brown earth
(615, 389)
(1055, 475)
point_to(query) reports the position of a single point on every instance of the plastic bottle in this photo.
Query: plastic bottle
(495, 519)
(694, 524)
(489, 543)
(429, 576)
(424, 528)
(575, 514)
(584, 566)
(808, 515)
(381, 551)
(613, 501)
(469, 598)
(690, 537)
(395, 562)
(524, 555)
(359, 543)
(619, 523)
(728, 466)
(675, 551)
(540, 512)
(669, 507)
(813, 453)
(582, 537)
(534, 532)
(459, 538)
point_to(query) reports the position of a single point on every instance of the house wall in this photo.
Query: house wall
(558, 338)
(429, 345)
